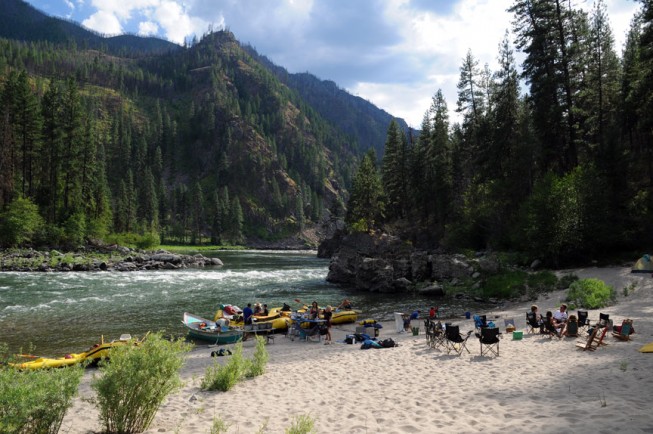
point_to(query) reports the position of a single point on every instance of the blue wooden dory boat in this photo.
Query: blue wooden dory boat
(207, 330)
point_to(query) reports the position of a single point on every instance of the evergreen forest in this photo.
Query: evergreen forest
(212, 143)
(555, 161)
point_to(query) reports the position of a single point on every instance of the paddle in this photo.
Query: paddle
(28, 356)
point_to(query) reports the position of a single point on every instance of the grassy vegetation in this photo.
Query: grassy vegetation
(224, 377)
(591, 293)
(302, 424)
(36, 401)
(186, 248)
(136, 381)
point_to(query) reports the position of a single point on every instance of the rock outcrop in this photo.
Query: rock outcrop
(385, 263)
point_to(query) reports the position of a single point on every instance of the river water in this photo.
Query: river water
(55, 313)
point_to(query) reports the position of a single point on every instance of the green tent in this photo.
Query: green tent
(643, 265)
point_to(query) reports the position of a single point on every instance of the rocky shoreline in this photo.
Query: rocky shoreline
(105, 259)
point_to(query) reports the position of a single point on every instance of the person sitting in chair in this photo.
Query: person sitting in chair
(560, 316)
(549, 325)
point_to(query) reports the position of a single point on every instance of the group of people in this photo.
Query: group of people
(558, 322)
(258, 310)
(327, 314)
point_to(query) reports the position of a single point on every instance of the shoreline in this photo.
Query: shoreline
(412, 388)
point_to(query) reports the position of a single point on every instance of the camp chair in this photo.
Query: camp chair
(595, 339)
(490, 339)
(480, 322)
(439, 338)
(509, 324)
(429, 332)
(549, 328)
(532, 322)
(455, 341)
(572, 329)
(587, 343)
(604, 319)
(583, 321)
(623, 333)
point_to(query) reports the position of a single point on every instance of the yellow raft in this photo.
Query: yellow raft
(339, 316)
(92, 355)
(280, 319)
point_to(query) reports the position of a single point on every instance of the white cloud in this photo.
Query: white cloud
(176, 22)
(147, 28)
(69, 4)
(103, 22)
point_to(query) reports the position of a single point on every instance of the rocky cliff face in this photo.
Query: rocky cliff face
(385, 263)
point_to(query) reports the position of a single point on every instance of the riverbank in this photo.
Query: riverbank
(412, 388)
(114, 258)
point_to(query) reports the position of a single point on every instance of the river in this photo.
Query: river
(55, 313)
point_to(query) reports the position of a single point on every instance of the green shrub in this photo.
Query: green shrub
(590, 293)
(224, 377)
(302, 424)
(257, 365)
(20, 222)
(35, 401)
(136, 381)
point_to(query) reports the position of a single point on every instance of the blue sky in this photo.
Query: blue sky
(394, 53)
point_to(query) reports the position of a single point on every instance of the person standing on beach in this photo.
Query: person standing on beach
(327, 317)
(315, 310)
(433, 313)
(247, 314)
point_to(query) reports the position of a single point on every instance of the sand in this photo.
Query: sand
(536, 384)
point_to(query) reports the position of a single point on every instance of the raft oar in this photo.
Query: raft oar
(28, 356)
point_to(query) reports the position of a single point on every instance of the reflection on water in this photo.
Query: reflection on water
(64, 312)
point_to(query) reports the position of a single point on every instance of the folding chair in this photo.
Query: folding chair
(595, 339)
(509, 324)
(549, 328)
(455, 341)
(532, 322)
(572, 329)
(624, 331)
(587, 343)
(604, 320)
(480, 322)
(583, 321)
(429, 327)
(439, 338)
(490, 340)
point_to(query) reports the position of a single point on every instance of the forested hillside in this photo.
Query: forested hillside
(563, 173)
(199, 143)
(353, 115)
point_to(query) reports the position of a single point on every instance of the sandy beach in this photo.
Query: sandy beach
(536, 384)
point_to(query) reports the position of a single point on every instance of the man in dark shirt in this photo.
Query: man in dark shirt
(247, 314)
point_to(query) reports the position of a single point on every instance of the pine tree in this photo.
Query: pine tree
(395, 171)
(27, 131)
(366, 204)
(237, 222)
